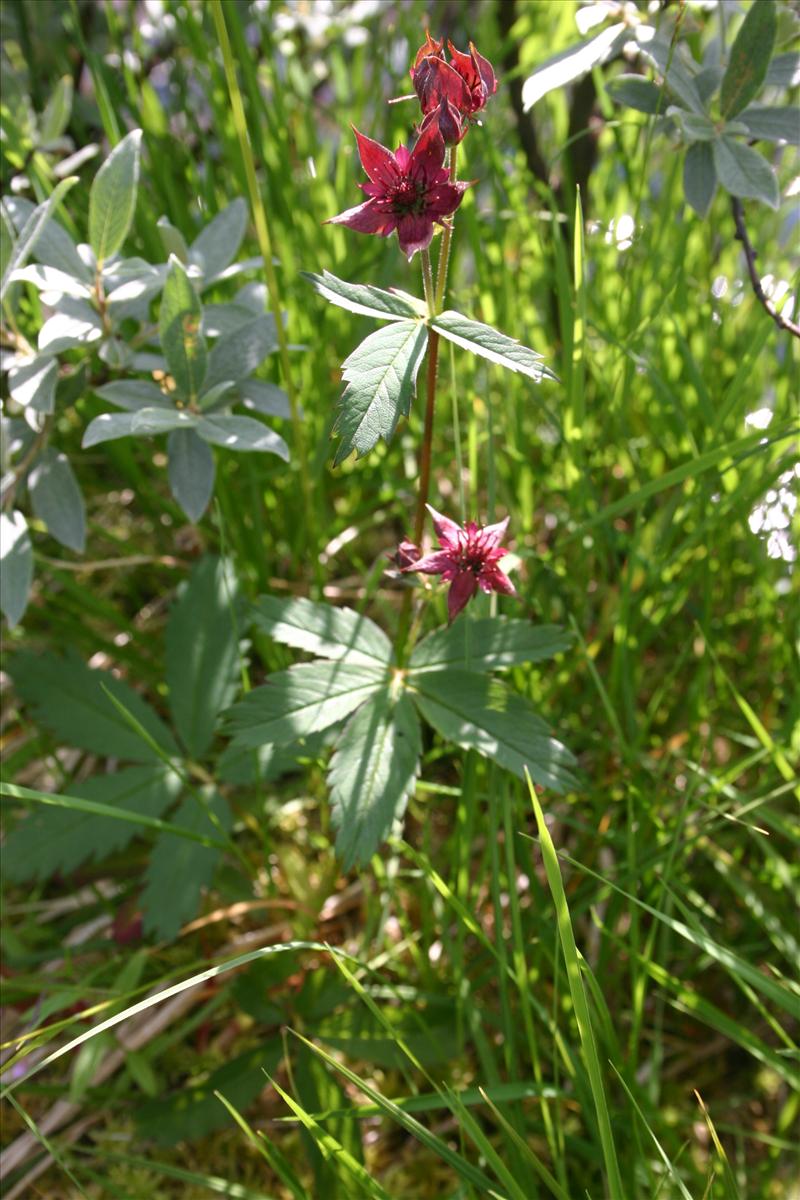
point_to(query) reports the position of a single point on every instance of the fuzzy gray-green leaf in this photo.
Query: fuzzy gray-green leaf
(180, 327)
(744, 172)
(57, 500)
(112, 199)
(749, 59)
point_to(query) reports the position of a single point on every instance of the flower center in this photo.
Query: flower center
(408, 196)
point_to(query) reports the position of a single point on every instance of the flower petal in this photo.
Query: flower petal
(447, 531)
(485, 70)
(444, 198)
(427, 156)
(492, 579)
(366, 218)
(414, 232)
(378, 162)
(462, 589)
(438, 563)
(494, 534)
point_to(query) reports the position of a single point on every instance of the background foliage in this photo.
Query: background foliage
(493, 1019)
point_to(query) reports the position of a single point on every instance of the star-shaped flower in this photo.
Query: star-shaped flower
(408, 191)
(467, 559)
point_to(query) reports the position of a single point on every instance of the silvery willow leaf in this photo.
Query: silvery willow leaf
(16, 566)
(112, 198)
(241, 433)
(144, 423)
(191, 471)
(56, 499)
(744, 172)
(573, 63)
(749, 59)
(699, 177)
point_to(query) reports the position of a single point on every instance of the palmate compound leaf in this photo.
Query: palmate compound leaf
(179, 869)
(488, 644)
(61, 839)
(479, 713)
(202, 652)
(489, 343)
(68, 699)
(322, 629)
(372, 773)
(305, 699)
(365, 299)
(381, 377)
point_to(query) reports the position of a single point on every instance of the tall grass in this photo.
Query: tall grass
(595, 998)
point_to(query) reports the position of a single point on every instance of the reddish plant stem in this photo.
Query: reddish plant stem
(435, 298)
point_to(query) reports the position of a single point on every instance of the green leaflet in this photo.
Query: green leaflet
(381, 377)
(372, 774)
(322, 629)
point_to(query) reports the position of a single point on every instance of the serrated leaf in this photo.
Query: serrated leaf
(489, 343)
(372, 774)
(305, 699)
(179, 870)
(68, 699)
(744, 172)
(146, 422)
(55, 118)
(573, 63)
(488, 644)
(365, 299)
(218, 244)
(265, 398)
(667, 59)
(480, 713)
(238, 764)
(54, 247)
(699, 177)
(241, 433)
(772, 124)
(16, 566)
(637, 92)
(381, 376)
(34, 384)
(57, 500)
(237, 354)
(134, 395)
(62, 839)
(112, 198)
(749, 59)
(321, 629)
(32, 230)
(180, 327)
(74, 324)
(191, 471)
(193, 1111)
(202, 652)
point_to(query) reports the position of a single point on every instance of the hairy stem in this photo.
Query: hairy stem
(434, 297)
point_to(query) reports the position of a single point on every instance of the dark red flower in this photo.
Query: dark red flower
(467, 559)
(466, 82)
(408, 191)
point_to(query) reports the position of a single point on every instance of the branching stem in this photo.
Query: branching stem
(755, 279)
